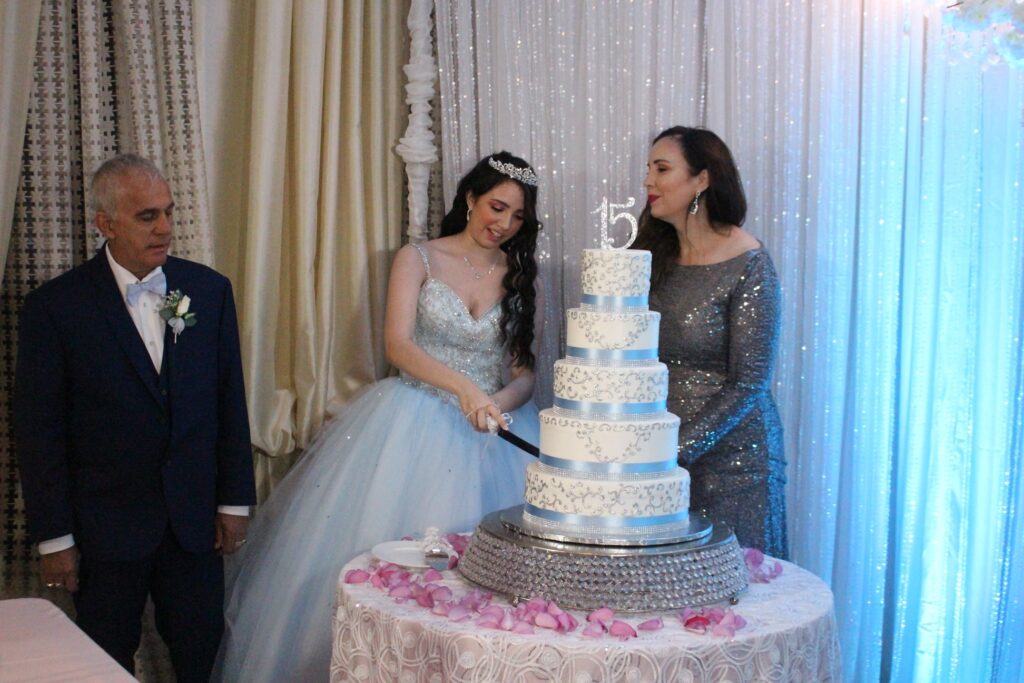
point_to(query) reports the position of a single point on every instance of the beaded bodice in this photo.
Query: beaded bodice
(447, 331)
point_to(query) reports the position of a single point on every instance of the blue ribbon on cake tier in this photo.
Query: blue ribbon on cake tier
(609, 408)
(610, 301)
(605, 522)
(608, 467)
(611, 354)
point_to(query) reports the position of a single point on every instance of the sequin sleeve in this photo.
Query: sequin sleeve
(753, 326)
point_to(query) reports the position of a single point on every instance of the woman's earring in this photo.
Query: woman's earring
(468, 211)
(695, 207)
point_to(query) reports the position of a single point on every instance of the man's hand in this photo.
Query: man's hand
(60, 569)
(230, 532)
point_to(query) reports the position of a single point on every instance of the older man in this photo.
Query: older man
(131, 429)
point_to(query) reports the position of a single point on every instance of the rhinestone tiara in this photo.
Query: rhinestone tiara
(523, 175)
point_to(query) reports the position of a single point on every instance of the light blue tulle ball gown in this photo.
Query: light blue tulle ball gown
(400, 458)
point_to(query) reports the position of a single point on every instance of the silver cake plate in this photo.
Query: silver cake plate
(703, 571)
(694, 528)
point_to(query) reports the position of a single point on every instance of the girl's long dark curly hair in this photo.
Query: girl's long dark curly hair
(724, 199)
(519, 303)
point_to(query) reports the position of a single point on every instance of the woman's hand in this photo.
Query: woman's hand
(477, 406)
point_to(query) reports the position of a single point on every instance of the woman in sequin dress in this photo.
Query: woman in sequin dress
(413, 451)
(718, 295)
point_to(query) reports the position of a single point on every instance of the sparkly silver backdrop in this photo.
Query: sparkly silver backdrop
(882, 160)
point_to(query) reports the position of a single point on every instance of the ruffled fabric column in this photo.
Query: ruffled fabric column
(417, 146)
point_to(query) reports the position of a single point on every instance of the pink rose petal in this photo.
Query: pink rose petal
(441, 593)
(432, 575)
(723, 631)
(603, 615)
(523, 628)
(572, 622)
(425, 600)
(545, 620)
(651, 624)
(458, 613)
(621, 630)
(594, 630)
(400, 592)
(356, 576)
(488, 621)
(493, 610)
(753, 556)
(453, 562)
(564, 623)
(553, 609)
(537, 605)
(441, 608)
(507, 621)
(696, 623)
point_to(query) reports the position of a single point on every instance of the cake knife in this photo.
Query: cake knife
(518, 442)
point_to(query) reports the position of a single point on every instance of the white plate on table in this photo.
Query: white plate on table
(404, 553)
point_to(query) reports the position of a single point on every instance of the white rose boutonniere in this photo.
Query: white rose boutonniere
(175, 312)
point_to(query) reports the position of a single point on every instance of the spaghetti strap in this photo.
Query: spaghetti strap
(423, 253)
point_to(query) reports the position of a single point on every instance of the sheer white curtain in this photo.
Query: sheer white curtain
(883, 173)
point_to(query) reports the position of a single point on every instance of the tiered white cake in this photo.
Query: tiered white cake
(607, 469)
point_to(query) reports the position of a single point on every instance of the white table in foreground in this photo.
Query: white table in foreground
(790, 636)
(39, 643)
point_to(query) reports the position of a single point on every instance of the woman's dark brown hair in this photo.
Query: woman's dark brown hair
(519, 303)
(724, 200)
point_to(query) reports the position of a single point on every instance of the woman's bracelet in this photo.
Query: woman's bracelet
(478, 408)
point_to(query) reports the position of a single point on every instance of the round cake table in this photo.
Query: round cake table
(790, 635)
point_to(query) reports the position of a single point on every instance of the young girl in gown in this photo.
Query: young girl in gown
(412, 451)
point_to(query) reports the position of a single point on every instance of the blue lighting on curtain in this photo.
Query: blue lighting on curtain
(936, 435)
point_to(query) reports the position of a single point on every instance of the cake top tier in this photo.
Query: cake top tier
(616, 278)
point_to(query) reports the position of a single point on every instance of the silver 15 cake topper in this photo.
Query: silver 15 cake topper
(609, 218)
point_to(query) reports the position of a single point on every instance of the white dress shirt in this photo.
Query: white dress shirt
(146, 316)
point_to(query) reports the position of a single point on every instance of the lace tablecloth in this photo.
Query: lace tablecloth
(790, 636)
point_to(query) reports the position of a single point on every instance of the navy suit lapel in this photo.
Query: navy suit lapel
(112, 306)
(169, 368)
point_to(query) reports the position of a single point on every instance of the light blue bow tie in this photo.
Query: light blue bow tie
(156, 284)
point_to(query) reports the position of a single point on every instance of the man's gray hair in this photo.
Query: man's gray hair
(105, 181)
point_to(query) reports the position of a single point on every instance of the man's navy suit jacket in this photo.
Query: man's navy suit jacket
(111, 450)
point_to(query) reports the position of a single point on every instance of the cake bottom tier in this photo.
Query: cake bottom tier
(577, 576)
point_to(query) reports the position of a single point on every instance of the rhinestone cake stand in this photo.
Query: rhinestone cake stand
(707, 569)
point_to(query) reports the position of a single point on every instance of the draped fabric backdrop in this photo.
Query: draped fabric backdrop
(883, 170)
(19, 22)
(302, 104)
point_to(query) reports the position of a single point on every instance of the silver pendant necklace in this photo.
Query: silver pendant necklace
(477, 275)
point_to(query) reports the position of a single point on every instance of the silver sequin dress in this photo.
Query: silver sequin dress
(398, 459)
(719, 334)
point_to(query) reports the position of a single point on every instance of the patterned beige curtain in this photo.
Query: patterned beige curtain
(108, 77)
(306, 194)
